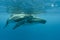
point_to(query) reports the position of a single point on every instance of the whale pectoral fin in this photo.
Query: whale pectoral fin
(7, 22)
(37, 20)
(18, 24)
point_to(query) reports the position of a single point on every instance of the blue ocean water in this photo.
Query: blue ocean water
(48, 31)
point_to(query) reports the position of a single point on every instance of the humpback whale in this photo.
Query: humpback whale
(21, 19)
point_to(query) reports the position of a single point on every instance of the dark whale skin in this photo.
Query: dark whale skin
(23, 20)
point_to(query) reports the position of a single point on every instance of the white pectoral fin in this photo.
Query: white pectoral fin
(17, 16)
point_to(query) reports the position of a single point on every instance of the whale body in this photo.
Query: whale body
(21, 19)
